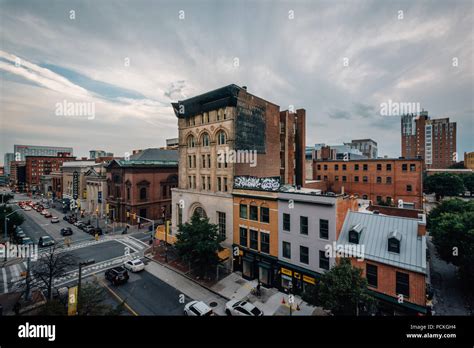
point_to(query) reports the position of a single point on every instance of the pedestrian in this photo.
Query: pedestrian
(258, 289)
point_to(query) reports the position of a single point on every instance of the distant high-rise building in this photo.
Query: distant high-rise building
(21, 151)
(94, 154)
(172, 143)
(368, 147)
(9, 157)
(433, 140)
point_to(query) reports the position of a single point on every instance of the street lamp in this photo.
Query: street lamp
(6, 219)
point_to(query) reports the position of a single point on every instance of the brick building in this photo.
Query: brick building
(469, 160)
(18, 175)
(226, 122)
(376, 180)
(434, 140)
(142, 185)
(394, 258)
(36, 166)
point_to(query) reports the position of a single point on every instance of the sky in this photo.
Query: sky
(339, 60)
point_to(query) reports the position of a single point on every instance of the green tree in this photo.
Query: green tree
(92, 301)
(451, 224)
(444, 184)
(198, 242)
(468, 180)
(343, 290)
(14, 220)
(5, 197)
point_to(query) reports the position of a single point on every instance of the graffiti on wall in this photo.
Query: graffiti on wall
(254, 183)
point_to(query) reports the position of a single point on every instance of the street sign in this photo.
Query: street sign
(99, 197)
(75, 185)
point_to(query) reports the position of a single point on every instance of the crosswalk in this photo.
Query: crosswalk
(12, 276)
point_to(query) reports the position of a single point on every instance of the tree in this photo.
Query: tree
(451, 224)
(55, 264)
(468, 180)
(5, 197)
(14, 220)
(444, 184)
(343, 290)
(198, 242)
(92, 300)
(457, 165)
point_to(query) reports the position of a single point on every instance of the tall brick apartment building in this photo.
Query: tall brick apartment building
(375, 179)
(231, 119)
(36, 166)
(433, 140)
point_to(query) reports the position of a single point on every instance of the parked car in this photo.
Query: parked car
(134, 265)
(44, 212)
(236, 307)
(197, 309)
(46, 241)
(66, 231)
(27, 208)
(19, 236)
(117, 275)
(54, 220)
(48, 215)
(26, 241)
(78, 224)
(65, 218)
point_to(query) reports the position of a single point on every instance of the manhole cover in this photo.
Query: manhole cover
(213, 304)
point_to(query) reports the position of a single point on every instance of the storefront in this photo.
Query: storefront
(295, 278)
(254, 265)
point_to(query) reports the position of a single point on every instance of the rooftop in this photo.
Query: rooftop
(376, 230)
(151, 157)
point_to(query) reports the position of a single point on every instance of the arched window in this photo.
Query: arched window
(205, 140)
(143, 193)
(191, 141)
(221, 138)
(201, 212)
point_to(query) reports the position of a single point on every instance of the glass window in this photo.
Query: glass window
(379, 180)
(265, 214)
(366, 167)
(323, 229)
(286, 247)
(356, 178)
(379, 166)
(394, 245)
(323, 260)
(221, 223)
(356, 167)
(389, 180)
(344, 167)
(265, 242)
(243, 211)
(191, 141)
(304, 254)
(404, 167)
(205, 140)
(365, 179)
(409, 188)
(221, 138)
(254, 213)
(254, 239)
(304, 225)
(286, 222)
(243, 236)
(371, 275)
(412, 167)
(403, 284)
(389, 167)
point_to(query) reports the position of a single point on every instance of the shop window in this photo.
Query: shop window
(323, 260)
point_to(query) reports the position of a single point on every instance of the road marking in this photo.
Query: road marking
(5, 283)
(117, 296)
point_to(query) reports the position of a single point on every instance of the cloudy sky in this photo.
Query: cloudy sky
(340, 60)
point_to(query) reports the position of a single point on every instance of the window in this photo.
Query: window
(190, 161)
(143, 193)
(219, 184)
(323, 229)
(336, 178)
(344, 178)
(364, 197)
(265, 214)
(325, 167)
(254, 239)
(254, 213)
(379, 199)
(323, 260)
(221, 138)
(205, 140)
(243, 236)
(304, 225)
(379, 166)
(366, 167)
(356, 167)
(191, 141)
(388, 180)
(412, 167)
(356, 178)
(265, 242)
(379, 180)
(243, 211)
(209, 161)
(389, 167)
(286, 247)
(409, 188)
(117, 192)
(203, 161)
(325, 178)
(203, 182)
(319, 167)
(403, 284)
(286, 222)
(304, 254)
(404, 167)
(336, 167)
(128, 193)
(394, 245)
(344, 167)
(371, 275)
(221, 223)
(225, 184)
(365, 179)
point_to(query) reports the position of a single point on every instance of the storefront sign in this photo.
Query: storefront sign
(297, 275)
(75, 185)
(286, 271)
(254, 183)
(309, 280)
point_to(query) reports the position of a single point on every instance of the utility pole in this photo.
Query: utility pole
(86, 263)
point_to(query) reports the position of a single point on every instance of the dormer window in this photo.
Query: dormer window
(394, 239)
(354, 234)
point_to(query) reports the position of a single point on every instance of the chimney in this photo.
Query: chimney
(421, 225)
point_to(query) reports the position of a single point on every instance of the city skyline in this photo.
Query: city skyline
(130, 69)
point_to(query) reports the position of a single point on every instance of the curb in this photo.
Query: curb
(189, 278)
